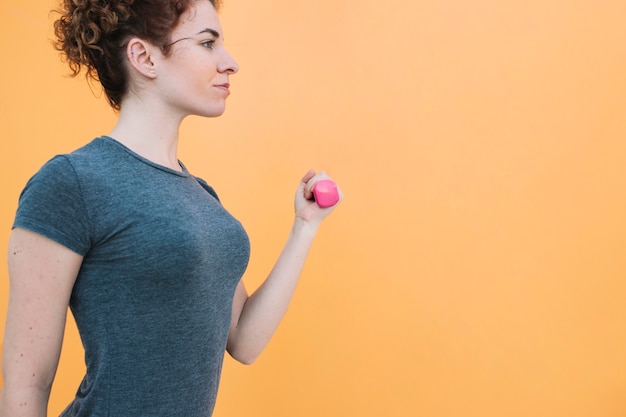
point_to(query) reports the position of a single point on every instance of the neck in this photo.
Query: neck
(148, 131)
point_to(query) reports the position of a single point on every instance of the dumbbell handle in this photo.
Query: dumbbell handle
(325, 193)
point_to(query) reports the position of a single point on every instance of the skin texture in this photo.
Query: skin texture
(192, 80)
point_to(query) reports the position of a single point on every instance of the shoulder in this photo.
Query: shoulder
(67, 161)
(52, 204)
(62, 179)
(95, 154)
(56, 174)
(61, 168)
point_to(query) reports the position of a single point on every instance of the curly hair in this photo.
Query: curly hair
(91, 34)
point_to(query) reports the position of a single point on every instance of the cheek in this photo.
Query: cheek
(201, 71)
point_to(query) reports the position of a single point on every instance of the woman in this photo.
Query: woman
(142, 251)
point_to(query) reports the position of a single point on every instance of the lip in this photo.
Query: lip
(225, 87)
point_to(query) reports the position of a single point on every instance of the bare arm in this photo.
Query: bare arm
(42, 274)
(256, 317)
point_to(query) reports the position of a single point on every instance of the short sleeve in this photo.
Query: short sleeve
(52, 205)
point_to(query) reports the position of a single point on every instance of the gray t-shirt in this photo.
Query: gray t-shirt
(153, 298)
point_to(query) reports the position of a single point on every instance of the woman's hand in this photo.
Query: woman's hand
(305, 206)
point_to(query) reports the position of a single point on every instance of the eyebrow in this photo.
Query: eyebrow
(213, 32)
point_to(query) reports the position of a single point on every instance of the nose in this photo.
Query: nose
(228, 64)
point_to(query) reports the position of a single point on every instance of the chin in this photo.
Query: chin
(214, 111)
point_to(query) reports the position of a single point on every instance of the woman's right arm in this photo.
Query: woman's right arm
(41, 275)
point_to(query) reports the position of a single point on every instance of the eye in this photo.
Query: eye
(208, 44)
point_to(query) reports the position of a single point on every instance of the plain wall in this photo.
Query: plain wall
(477, 265)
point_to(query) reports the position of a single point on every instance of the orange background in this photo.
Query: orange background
(477, 265)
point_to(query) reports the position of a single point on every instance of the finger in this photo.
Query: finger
(307, 177)
(306, 190)
(310, 184)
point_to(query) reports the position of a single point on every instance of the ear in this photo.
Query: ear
(140, 57)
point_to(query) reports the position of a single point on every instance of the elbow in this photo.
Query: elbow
(245, 358)
(242, 352)
(245, 347)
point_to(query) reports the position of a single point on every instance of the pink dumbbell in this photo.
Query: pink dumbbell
(325, 193)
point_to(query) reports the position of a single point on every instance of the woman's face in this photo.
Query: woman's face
(194, 77)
